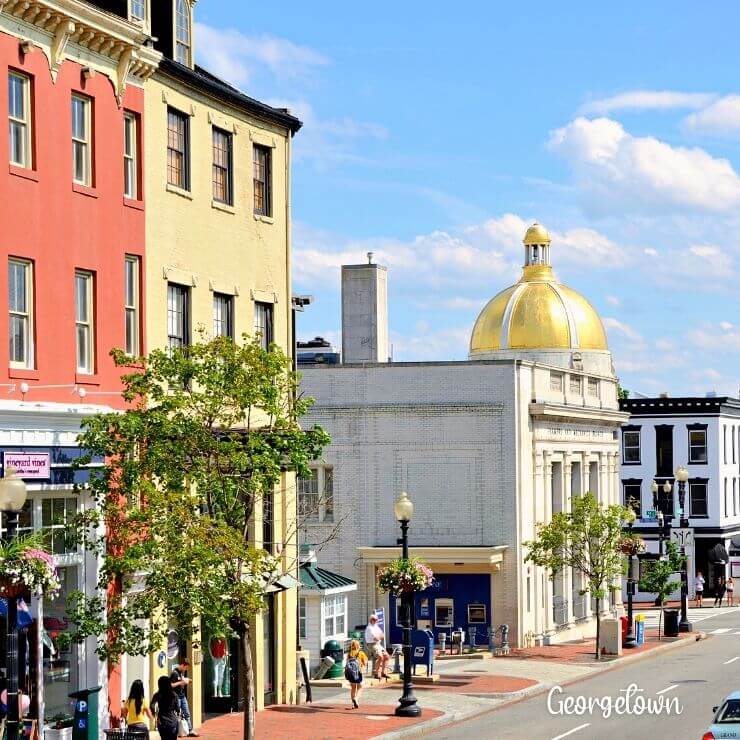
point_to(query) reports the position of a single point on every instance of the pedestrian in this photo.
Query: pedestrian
(166, 706)
(136, 709)
(374, 638)
(353, 670)
(699, 588)
(719, 593)
(730, 592)
(180, 683)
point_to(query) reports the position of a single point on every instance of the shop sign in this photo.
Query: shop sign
(31, 465)
(173, 644)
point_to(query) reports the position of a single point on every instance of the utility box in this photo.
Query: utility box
(610, 639)
(86, 714)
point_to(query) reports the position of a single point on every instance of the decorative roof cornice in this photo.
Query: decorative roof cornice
(101, 33)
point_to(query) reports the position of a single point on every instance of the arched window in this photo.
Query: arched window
(182, 32)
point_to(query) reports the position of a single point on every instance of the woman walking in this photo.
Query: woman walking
(167, 706)
(136, 710)
(719, 594)
(356, 663)
(699, 588)
(730, 592)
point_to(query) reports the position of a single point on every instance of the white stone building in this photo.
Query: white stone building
(485, 448)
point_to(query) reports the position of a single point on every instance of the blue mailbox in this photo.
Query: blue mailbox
(422, 650)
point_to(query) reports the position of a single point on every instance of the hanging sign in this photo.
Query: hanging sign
(31, 465)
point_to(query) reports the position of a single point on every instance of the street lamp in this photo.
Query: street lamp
(660, 514)
(682, 475)
(629, 640)
(407, 706)
(13, 493)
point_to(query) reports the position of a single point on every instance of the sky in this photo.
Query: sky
(435, 133)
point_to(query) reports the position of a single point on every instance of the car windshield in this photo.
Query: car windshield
(729, 713)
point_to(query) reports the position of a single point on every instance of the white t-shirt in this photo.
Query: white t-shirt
(699, 583)
(373, 633)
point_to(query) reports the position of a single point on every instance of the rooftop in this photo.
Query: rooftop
(314, 578)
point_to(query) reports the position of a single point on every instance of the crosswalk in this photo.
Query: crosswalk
(696, 616)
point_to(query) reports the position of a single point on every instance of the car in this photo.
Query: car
(726, 722)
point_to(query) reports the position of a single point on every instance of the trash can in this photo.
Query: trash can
(86, 714)
(625, 628)
(333, 649)
(671, 622)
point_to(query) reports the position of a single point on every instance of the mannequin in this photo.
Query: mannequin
(219, 649)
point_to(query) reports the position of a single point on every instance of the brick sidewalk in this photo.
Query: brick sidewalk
(314, 721)
(457, 683)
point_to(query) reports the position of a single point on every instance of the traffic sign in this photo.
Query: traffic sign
(683, 537)
(651, 514)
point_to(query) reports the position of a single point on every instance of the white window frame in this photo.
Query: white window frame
(86, 325)
(593, 387)
(144, 9)
(556, 382)
(696, 447)
(130, 156)
(182, 45)
(82, 144)
(132, 301)
(23, 123)
(323, 511)
(575, 385)
(264, 323)
(223, 315)
(302, 618)
(334, 607)
(638, 432)
(175, 292)
(26, 316)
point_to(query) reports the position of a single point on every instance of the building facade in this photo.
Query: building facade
(73, 248)
(486, 449)
(218, 263)
(702, 434)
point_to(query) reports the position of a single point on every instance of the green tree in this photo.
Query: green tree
(587, 538)
(658, 577)
(211, 433)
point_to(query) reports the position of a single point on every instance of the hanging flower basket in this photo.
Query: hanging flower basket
(25, 566)
(402, 576)
(10, 590)
(632, 544)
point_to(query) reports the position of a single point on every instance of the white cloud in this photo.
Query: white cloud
(239, 57)
(625, 330)
(722, 118)
(715, 338)
(613, 300)
(616, 170)
(726, 325)
(650, 252)
(647, 100)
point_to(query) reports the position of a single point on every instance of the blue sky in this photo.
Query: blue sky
(434, 133)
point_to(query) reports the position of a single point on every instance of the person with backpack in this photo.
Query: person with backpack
(353, 670)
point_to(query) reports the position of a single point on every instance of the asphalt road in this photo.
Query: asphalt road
(698, 676)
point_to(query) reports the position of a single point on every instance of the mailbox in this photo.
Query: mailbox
(422, 650)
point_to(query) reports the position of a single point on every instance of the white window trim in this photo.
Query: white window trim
(303, 618)
(29, 362)
(133, 308)
(335, 599)
(217, 297)
(90, 323)
(135, 19)
(177, 42)
(129, 119)
(638, 432)
(87, 179)
(319, 517)
(26, 123)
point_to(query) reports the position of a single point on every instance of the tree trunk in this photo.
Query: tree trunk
(660, 621)
(247, 671)
(598, 628)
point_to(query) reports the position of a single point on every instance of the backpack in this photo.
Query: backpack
(352, 670)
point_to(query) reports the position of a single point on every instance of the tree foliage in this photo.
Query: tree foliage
(658, 577)
(587, 538)
(207, 438)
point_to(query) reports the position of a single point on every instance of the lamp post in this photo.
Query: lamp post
(629, 640)
(13, 493)
(407, 706)
(682, 475)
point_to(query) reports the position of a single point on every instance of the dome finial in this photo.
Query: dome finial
(536, 234)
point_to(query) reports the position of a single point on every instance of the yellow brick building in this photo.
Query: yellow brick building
(217, 187)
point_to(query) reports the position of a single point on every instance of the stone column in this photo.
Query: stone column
(549, 591)
(603, 478)
(538, 515)
(568, 573)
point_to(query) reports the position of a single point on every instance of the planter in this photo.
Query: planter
(64, 734)
(10, 590)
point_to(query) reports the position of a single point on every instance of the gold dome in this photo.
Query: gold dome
(538, 312)
(536, 234)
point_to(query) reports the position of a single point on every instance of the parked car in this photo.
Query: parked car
(726, 723)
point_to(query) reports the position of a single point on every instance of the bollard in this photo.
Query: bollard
(471, 638)
(397, 653)
(442, 641)
(491, 640)
(504, 637)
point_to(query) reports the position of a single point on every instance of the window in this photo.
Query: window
(698, 499)
(85, 322)
(262, 159)
(263, 323)
(178, 315)
(223, 312)
(697, 444)
(335, 615)
(222, 167)
(132, 290)
(302, 618)
(138, 10)
(733, 445)
(575, 384)
(316, 495)
(631, 446)
(20, 309)
(81, 144)
(633, 496)
(724, 443)
(734, 497)
(268, 521)
(56, 517)
(130, 158)
(556, 382)
(726, 509)
(444, 613)
(593, 387)
(182, 32)
(178, 158)
(19, 119)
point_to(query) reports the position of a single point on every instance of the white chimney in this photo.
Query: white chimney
(364, 313)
